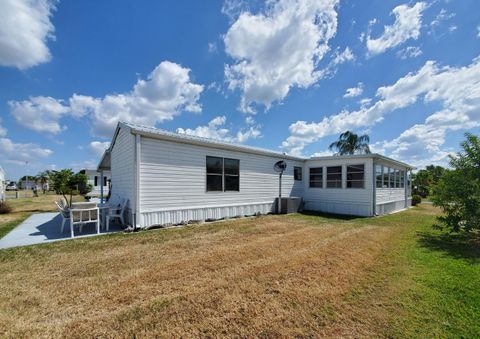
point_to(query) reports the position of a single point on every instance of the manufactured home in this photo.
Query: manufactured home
(99, 182)
(170, 178)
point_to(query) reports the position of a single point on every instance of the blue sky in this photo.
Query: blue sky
(285, 75)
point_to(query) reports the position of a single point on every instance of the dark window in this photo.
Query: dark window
(297, 173)
(96, 181)
(402, 179)
(232, 174)
(356, 176)
(334, 177)
(379, 175)
(104, 181)
(392, 178)
(386, 178)
(223, 174)
(214, 174)
(397, 178)
(316, 177)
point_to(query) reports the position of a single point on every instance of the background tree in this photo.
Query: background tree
(351, 143)
(43, 178)
(65, 182)
(26, 179)
(425, 180)
(83, 186)
(458, 191)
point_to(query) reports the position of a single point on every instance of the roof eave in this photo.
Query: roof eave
(371, 155)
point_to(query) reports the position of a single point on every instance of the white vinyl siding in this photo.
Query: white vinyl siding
(123, 167)
(340, 200)
(173, 176)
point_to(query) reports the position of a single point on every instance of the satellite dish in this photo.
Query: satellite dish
(280, 166)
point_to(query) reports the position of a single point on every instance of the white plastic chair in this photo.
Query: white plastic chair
(84, 215)
(116, 212)
(64, 213)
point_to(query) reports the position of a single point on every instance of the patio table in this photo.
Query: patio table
(101, 208)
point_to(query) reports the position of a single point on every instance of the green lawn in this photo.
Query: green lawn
(430, 280)
(302, 275)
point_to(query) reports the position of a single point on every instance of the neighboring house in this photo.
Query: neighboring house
(28, 184)
(3, 183)
(96, 179)
(171, 178)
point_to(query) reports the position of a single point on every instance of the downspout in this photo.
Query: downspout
(374, 190)
(137, 181)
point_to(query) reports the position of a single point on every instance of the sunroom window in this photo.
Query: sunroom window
(334, 177)
(316, 177)
(356, 176)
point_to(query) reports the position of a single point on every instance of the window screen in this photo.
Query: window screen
(316, 177)
(392, 178)
(379, 176)
(386, 177)
(334, 177)
(356, 176)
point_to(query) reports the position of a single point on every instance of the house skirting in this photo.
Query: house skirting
(392, 206)
(203, 213)
(339, 207)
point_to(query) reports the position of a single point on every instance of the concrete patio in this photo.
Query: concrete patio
(45, 227)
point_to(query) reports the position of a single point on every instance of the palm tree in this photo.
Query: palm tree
(44, 178)
(351, 143)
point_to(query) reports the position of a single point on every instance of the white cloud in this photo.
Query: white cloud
(408, 21)
(441, 16)
(478, 31)
(41, 114)
(18, 152)
(216, 129)
(25, 29)
(409, 52)
(277, 49)
(322, 154)
(3, 130)
(212, 47)
(99, 147)
(86, 164)
(457, 90)
(342, 57)
(166, 92)
(233, 8)
(354, 91)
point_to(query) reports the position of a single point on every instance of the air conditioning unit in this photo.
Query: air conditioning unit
(290, 205)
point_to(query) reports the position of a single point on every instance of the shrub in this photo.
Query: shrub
(5, 207)
(458, 192)
(416, 199)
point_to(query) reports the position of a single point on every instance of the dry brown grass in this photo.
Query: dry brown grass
(24, 207)
(270, 276)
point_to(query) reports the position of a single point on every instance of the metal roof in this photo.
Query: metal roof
(157, 133)
(360, 156)
(190, 139)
